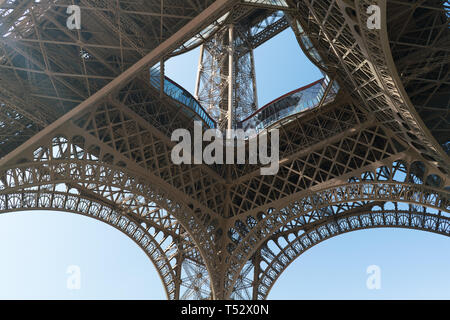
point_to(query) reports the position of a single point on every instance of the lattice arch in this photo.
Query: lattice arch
(67, 174)
(141, 233)
(410, 188)
(291, 244)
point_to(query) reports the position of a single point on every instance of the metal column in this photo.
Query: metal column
(230, 76)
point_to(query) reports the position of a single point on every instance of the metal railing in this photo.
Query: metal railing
(176, 92)
(294, 102)
(291, 103)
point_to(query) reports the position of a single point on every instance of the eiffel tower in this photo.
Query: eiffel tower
(86, 117)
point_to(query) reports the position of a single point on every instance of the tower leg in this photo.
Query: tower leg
(230, 77)
(226, 83)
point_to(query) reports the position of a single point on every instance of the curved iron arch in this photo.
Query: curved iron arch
(306, 238)
(397, 181)
(63, 161)
(104, 180)
(74, 203)
(381, 191)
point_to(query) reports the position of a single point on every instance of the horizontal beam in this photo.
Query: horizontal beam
(203, 19)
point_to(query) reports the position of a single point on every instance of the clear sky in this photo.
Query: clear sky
(38, 247)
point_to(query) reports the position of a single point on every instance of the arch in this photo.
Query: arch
(114, 184)
(399, 185)
(310, 235)
(312, 207)
(127, 224)
(110, 186)
(78, 161)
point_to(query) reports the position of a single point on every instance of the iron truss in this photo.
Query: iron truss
(82, 131)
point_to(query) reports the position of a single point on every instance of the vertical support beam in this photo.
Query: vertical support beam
(199, 71)
(178, 275)
(162, 78)
(161, 25)
(255, 93)
(326, 93)
(230, 76)
(212, 61)
(256, 269)
(230, 95)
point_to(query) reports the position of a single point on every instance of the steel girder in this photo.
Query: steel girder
(216, 77)
(61, 68)
(363, 60)
(383, 196)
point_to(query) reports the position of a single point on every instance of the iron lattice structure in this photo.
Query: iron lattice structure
(83, 131)
(227, 58)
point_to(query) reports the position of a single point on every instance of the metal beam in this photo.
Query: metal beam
(203, 19)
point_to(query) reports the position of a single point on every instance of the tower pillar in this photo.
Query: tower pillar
(226, 81)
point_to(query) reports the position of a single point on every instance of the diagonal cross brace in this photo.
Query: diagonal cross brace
(206, 17)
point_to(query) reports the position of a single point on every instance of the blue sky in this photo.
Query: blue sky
(37, 247)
